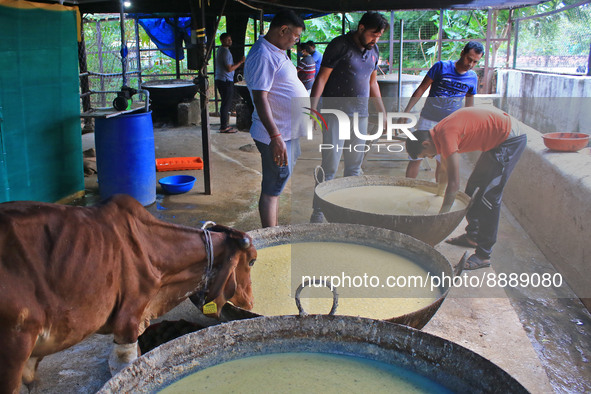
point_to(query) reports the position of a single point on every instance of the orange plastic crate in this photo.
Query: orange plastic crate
(179, 164)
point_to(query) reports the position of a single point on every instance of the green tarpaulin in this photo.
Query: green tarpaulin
(40, 138)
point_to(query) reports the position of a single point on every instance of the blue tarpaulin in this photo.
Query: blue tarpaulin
(162, 32)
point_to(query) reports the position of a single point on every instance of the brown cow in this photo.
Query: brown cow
(67, 272)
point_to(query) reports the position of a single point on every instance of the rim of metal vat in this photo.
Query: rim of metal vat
(430, 229)
(164, 96)
(444, 362)
(380, 238)
(158, 82)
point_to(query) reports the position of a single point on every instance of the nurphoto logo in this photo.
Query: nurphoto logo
(401, 121)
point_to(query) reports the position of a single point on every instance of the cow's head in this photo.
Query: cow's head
(230, 279)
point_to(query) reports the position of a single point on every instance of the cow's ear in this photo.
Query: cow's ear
(230, 287)
(245, 243)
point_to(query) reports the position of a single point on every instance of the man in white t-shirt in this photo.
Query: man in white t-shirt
(272, 81)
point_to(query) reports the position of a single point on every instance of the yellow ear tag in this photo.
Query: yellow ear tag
(210, 308)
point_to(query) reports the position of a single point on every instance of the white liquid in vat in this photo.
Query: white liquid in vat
(304, 373)
(390, 200)
(272, 280)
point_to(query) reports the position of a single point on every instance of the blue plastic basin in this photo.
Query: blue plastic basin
(177, 184)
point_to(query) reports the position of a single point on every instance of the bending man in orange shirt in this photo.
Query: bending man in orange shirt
(497, 135)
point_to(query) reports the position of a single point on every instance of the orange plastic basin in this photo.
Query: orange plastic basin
(179, 164)
(566, 142)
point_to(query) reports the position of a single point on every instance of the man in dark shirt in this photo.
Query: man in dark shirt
(224, 80)
(349, 74)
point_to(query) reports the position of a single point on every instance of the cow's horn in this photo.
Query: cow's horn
(245, 243)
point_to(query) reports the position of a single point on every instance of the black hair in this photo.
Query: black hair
(223, 36)
(374, 21)
(306, 47)
(414, 148)
(478, 48)
(287, 17)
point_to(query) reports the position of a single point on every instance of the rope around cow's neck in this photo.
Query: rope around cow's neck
(209, 252)
(202, 294)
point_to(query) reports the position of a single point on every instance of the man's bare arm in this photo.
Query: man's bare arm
(452, 164)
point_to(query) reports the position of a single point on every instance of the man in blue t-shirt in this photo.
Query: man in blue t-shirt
(317, 56)
(450, 82)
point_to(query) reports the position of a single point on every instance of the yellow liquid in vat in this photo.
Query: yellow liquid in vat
(390, 200)
(273, 285)
(303, 373)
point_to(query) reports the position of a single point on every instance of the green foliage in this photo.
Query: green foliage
(567, 33)
(559, 34)
(323, 29)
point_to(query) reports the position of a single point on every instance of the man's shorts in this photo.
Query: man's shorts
(425, 124)
(275, 177)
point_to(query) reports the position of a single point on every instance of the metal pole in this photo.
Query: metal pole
(199, 38)
(84, 82)
(515, 46)
(400, 64)
(487, 52)
(177, 48)
(123, 43)
(440, 35)
(391, 43)
(343, 23)
(509, 32)
(203, 100)
(99, 44)
(215, 91)
(139, 55)
(256, 36)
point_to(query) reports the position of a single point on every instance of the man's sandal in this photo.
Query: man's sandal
(228, 130)
(462, 240)
(474, 262)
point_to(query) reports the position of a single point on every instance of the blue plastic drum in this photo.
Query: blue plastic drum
(125, 157)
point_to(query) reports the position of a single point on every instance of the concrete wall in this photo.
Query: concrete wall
(547, 102)
(549, 192)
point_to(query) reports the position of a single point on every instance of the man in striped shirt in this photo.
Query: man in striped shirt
(306, 67)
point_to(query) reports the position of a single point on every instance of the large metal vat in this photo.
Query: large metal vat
(420, 253)
(165, 95)
(430, 229)
(446, 363)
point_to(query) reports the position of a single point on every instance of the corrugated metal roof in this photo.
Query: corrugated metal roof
(302, 6)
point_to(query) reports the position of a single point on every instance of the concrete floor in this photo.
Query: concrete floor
(541, 340)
